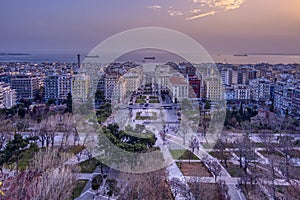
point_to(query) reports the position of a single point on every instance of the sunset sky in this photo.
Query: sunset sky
(221, 26)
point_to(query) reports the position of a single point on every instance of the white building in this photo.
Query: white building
(7, 96)
(260, 89)
(229, 93)
(81, 87)
(162, 76)
(179, 88)
(226, 77)
(214, 88)
(284, 96)
(111, 81)
(242, 92)
(133, 79)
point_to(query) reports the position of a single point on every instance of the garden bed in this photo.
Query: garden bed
(89, 166)
(80, 184)
(234, 170)
(218, 155)
(182, 154)
(193, 169)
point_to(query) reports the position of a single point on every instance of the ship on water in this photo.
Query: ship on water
(242, 54)
(92, 56)
(149, 58)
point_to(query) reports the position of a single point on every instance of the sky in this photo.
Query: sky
(220, 26)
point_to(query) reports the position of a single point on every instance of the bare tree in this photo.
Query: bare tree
(221, 146)
(46, 178)
(67, 128)
(194, 144)
(178, 188)
(246, 152)
(286, 145)
(6, 128)
(150, 186)
(213, 166)
(223, 190)
(204, 191)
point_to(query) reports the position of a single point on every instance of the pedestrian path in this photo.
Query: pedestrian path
(234, 192)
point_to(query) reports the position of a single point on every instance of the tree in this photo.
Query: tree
(207, 105)
(69, 103)
(151, 185)
(5, 131)
(220, 146)
(51, 101)
(46, 178)
(245, 147)
(245, 152)
(222, 190)
(12, 150)
(271, 109)
(286, 146)
(111, 185)
(241, 110)
(178, 188)
(213, 166)
(21, 112)
(204, 191)
(194, 144)
(97, 182)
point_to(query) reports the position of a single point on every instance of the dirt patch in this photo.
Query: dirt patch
(193, 169)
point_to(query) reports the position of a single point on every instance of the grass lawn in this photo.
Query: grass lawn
(234, 170)
(262, 172)
(140, 101)
(154, 101)
(89, 166)
(218, 155)
(78, 188)
(27, 155)
(75, 149)
(102, 119)
(295, 172)
(267, 154)
(182, 154)
(193, 169)
(251, 156)
(25, 158)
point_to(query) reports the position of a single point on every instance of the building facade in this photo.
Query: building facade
(25, 86)
(7, 96)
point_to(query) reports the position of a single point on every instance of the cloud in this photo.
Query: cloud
(196, 9)
(201, 15)
(154, 7)
(229, 4)
(175, 13)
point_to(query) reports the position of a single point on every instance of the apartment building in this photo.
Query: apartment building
(26, 86)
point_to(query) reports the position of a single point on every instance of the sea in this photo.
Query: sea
(160, 57)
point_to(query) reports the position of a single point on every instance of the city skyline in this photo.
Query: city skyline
(222, 27)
